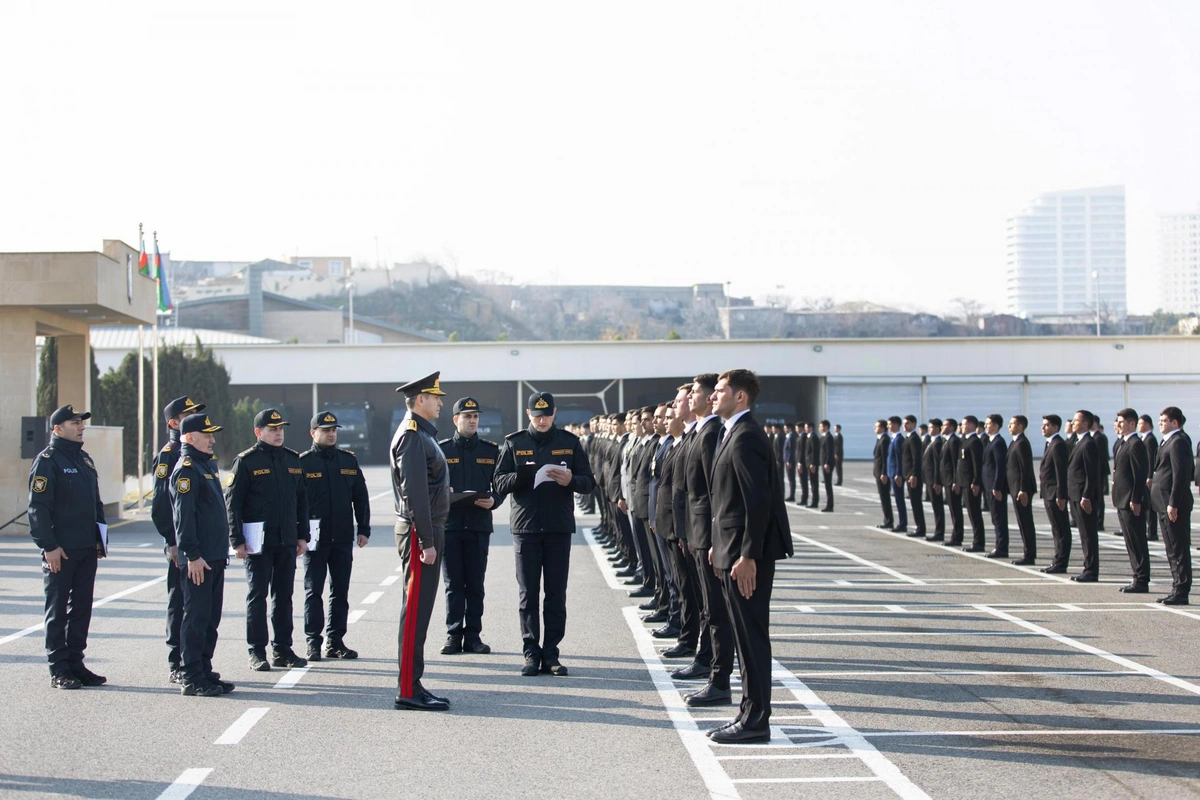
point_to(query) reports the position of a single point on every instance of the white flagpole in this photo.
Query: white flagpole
(154, 402)
(141, 423)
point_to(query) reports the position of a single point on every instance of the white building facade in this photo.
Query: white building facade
(1179, 262)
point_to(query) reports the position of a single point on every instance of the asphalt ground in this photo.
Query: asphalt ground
(902, 668)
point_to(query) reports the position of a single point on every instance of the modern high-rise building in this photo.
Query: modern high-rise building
(1064, 250)
(1179, 262)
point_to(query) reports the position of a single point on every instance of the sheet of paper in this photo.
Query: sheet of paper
(314, 532)
(252, 532)
(543, 475)
(103, 536)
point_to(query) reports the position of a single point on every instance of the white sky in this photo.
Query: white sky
(866, 150)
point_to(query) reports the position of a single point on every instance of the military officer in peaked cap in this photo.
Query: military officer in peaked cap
(200, 525)
(265, 491)
(421, 486)
(65, 513)
(472, 462)
(337, 498)
(160, 513)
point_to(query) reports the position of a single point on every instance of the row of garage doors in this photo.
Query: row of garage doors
(856, 404)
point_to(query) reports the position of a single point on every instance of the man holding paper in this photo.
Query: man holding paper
(66, 520)
(337, 496)
(200, 526)
(268, 527)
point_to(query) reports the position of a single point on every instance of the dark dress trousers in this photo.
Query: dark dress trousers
(1020, 477)
(1053, 480)
(749, 521)
(879, 470)
(1173, 477)
(839, 451)
(789, 464)
(160, 513)
(951, 454)
(472, 463)
(1131, 465)
(1083, 482)
(826, 467)
(812, 458)
(931, 474)
(995, 479)
(969, 474)
(1151, 460)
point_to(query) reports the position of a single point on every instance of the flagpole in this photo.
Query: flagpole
(154, 403)
(141, 423)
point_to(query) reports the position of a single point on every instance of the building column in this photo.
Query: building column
(18, 398)
(75, 371)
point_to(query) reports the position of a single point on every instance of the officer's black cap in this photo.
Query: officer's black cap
(324, 419)
(182, 405)
(430, 384)
(269, 418)
(541, 404)
(65, 413)
(466, 404)
(197, 423)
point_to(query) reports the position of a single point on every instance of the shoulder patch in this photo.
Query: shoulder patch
(514, 434)
(39, 484)
(166, 448)
(412, 424)
(293, 452)
(489, 441)
(445, 441)
(160, 471)
(187, 461)
(348, 452)
(245, 452)
(183, 485)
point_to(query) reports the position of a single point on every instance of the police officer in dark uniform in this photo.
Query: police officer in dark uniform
(160, 513)
(421, 486)
(266, 485)
(65, 512)
(337, 497)
(472, 462)
(200, 524)
(542, 519)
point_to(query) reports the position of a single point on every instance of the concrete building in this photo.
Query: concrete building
(1179, 262)
(335, 267)
(1065, 251)
(61, 295)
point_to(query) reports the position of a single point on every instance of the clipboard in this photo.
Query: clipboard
(459, 499)
(253, 533)
(102, 536)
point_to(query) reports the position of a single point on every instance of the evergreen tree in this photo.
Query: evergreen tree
(47, 387)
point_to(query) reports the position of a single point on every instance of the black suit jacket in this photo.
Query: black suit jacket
(879, 458)
(639, 478)
(1083, 471)
(1102, 451)
(812, 449)
(839, 446)
(801, 451)
(1053, 472)
(951, 453)
(701, 447)
(970, 464)
(1151, 453)
(828, 451)
(1020, 468)
(910, 463)
(931, 466)
(995, 465)
(1131, 465)
(1173, 475)
(749, 515)
(664, 512)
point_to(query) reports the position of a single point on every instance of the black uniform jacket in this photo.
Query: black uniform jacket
(910, 464)
(1173, 475)
(548, 508)
(1053, 470)
(698, 470)
(995, 467)
(828, 451)
(472, 463)
(420, 480)
(931, 466)
(197, 507)
(266, 484)
(1083, 471)
(64, 497)
(1131, 465)
(666, 520)
(1019, 468)
(160, 508)
(639, 477)
(337, 493)
(951, 455)
(749, 515)
(968, 473)
(879, 456)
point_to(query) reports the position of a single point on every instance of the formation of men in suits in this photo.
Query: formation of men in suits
(809, 457)
(961, 469)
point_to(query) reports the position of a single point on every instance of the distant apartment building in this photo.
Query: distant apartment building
(1063, 250)
(335, 267)
(1179, 262)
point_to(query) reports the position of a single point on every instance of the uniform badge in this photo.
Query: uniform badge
(229, 479)
(412, 424)
(161, 471)
(470, 404)
(541, 403)
(183, 485)
(39, 484)
(88, 461)
(329, 418)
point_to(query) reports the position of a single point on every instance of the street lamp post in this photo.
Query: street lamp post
(1096, 290)
(350, 289)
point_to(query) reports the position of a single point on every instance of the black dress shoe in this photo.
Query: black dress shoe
(680, 650)
(653, 604)
(812, 505)
(900, 529)
(642, 592)
(423, 702)
(453, 645)
(339, 650)
(915, 534)
(477, 647)
(419, 689)
(726, 726)
(1135, 588)
(1085, 577)
(826, 510)
(657, 616)
(739, 734)
(258, 661)
(665, 632)
(952, 543)
(972, 549)
(1175, 600)
(709, 696)
(886, 526)
(287, 658)
(87, 677)
(1052, 570)
(936, 538)
(65, 680)
(531, 667)
(692, 672)
(1024, 562)
(997, 554)
(625, 573)
(633, 581)
(553, 667)
(314, 652)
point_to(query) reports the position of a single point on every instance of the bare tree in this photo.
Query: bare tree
(970, 311)
(809, 303)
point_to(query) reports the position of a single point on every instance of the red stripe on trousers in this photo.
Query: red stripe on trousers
(410, 621)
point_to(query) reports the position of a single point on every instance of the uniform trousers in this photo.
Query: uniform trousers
(689, 593)
(200, 618)
(69, 606)
(1060, 531)
(336, 561)
(814, 488)
(837, 468)
(791, 480)
(1177, 539)
(651, 562)
(416, 605)
(1151, 522)
(885, 501)
(938, 503)
(174, 612)
(542, 556)
(802, 469)
(898, 497)
(1133, 528)
(270, 574)
(828, 476)
(714, 621)
(751, 620)
(1026, 527)
(918, 510)
(1089, 540)
(669, 598)
(998, 509)
(954, 500)
(975, 515)
(464, 565)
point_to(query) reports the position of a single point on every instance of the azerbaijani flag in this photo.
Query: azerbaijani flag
(156, 271)
(143, 264)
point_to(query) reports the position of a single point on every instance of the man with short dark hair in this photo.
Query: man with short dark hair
(879, 472)
(839, 453)
(1022, 486)
(895, 468)
(812, 457)
(802, 437)
(1172, 499)
(1130, 468)
(1053, 480)
(995, 484)
(1146, 432)
(951, 454)
(789, 459)
(931, 460)
(911, 457)
(828, 462)
(1083, 488)
(969, 476)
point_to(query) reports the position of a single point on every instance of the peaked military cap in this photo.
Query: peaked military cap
(324, 419)
(430, 384)
(197, 423)
(541, 404)
(67, 412)
(466, 404)
(269, 418)
(182, 405)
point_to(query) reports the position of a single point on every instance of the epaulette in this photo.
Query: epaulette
(514, 434)
(46, 452)
(446, 440)
(293, 452)
(187, 461)
(347, 450)
(489, 441)
(245, 452)
(412, 424)
(167, 447)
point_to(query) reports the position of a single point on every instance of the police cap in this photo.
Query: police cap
(182, 405)
(324, 419)
(67, 412)
(541, 404)
(430, 384)
(197, 423)
(269, 418)
(466, 404)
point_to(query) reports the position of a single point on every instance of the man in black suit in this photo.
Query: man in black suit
(931, 474)
(1053, 478)
(895, 468)
(750, 533)
(1105, 467)
(1146, 432)
(1130, 468)
(777, 448)
(801, 457)
(828, 463)
(951, 491)
(995, 483)
(789, 460)
(879, 473)
(812, 457)
(1083, 489)
(969, 477)
(1022, 486)
(1171, 496)
(910, 467)
(839, 452)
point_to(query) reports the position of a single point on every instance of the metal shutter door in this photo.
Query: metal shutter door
(1065, 398)
(856, 406)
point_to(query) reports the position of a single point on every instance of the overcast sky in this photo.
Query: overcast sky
(859, 150)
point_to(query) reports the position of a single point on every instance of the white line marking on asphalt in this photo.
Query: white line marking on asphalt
(355, 616)
(610, 575)
(1180, 612)
(859, 559)
(185, 784)
(1187, 686)
(102, 601)
(1075, 732)
(992, 582)
(805, 609)
(291, 677)
(788, 756)
(696, 743)
(373, 597)
(145, 544)
(981, 557)
(400, 568)
(1069, 607)
(381, 494)
(843, 583)
(895, 609)
(389, 580)
(859, 779)
(237, 731)
(901, 634)
(884, 673)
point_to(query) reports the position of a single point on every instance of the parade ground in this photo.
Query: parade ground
(902, 668)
